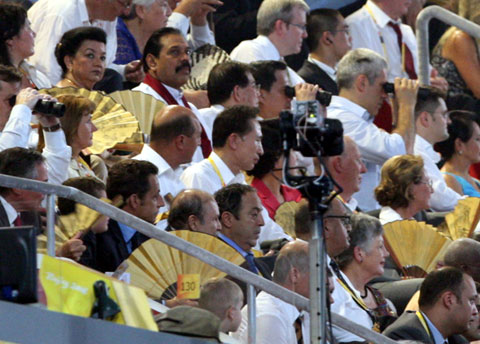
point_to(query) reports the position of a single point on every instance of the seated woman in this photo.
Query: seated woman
(81, 54)
(78, 128)
(267, 172)
(359, 264)
(457, 59)
(134, 30)
(460, 151)
(404, 188)
(17, 44)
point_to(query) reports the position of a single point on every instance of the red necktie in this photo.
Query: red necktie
(17, 222)
(162, 91)
(408, 62)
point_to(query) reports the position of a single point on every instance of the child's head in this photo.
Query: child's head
(223, 298)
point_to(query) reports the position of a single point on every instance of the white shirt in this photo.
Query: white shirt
(443, 198)
(332, 72)
(203, 176)
(208, 115)
(56, 152)
(344, 305)
(388, 215)
(9, 210)
(275, 321)
(199, 35)
(364, 31)
(262, 49)
(375, 145)
(168, 178)
(50, 19)
(177, 94)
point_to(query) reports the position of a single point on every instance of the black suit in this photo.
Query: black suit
(409, 327)
(111, 248)
(3, 217)
(313, 74)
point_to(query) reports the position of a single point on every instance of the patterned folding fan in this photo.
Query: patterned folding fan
(463, 220)
(203, 60)
(114, 123)
(285, 217)
(414, 245)
(155, 266)
(142, 105)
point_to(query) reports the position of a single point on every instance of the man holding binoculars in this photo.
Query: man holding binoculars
(361, 78)
(15, 121)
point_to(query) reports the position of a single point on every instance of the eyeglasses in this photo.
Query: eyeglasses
(427, 182)
(345, 219)
(254, 85)
(300, 26)
(346, 30)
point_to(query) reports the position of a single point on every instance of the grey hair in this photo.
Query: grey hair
(285, 261)
(272, 10)
(365, 229)
(146, 3)
(357, 62)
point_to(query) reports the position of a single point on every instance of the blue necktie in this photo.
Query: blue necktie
(251, 263)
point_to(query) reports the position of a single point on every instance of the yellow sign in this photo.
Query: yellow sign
(188, 286)
(68, 288)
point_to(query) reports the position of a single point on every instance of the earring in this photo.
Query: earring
(460, 152)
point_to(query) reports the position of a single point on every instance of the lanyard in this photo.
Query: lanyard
(355, 298)
(382, 40)
(217, 171)
(422, 320)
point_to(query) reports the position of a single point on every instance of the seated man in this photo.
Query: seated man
(15, 126)
(223, 298)
(236, 148)
(447, 306)
(136, 181)
(276, 320)
(195, 210)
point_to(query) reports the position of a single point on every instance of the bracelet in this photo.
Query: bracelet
(52, 128)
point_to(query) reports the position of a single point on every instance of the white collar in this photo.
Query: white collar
(269, 47)
(83, 13)
(225, 171)
(344, 103)
(156, 159)
(176, 93)
(381, 18)
(9, 210)
(332, 72)
(426, 147)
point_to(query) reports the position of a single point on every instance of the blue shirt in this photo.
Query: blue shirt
(127, 48)
(335, 4)
(247, 255)
(127, 233)
(437, 336)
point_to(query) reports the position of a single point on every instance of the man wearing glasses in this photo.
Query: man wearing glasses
(328, 41)
(52, 18)
(279, 35)
(431, 119)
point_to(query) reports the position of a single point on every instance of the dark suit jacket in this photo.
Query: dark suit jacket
(111, 249)
(263, 269)
(3, 217)
(313, 74)
(408, 327)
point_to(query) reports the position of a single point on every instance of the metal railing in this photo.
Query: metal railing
(423, 20)
(150, 230)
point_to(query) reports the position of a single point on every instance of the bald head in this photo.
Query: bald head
(464, 254)
(292, 256)
(195, 210)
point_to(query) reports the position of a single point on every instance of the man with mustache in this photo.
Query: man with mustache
(361, 76)
(166, 62)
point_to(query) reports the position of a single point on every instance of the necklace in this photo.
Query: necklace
(366, 293)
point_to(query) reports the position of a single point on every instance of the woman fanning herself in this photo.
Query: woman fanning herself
(404, 188)
(460, 151)
(81, 54)
(359, 264)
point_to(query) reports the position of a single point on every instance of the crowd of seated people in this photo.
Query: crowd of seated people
(214, 159)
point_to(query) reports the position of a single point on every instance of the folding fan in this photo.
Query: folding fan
(114, 123)
(412, 243)
(155, 266)
(142, 105)
(464, 219)
(203, 60)
(285, 217)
